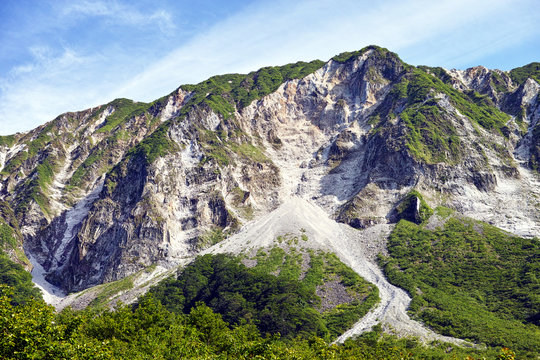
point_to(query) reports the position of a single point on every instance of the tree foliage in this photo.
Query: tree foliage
(14, 275)
(470, 280)
(241, 295)
(149, 331)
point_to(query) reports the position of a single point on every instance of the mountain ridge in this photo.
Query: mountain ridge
(355, 133)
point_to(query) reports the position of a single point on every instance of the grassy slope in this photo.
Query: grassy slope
(520, 74)
(470, 280)
(430, 137)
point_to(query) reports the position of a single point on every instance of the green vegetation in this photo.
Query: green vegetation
(215, 145)
(271, 294)
(14, 163)
(45, 173)
(497, 82)
(241, 295)
(7, 236)
(45, 168)
(470, 280)
(99, 160)
(521, 74)
(431, 137)
(14, 275)
(43, 137)
(86, 167)
(221, 93)
(10, 234)
(249, 151)
(219, 146)
(156, 145)
(149, 331)
(7, 140)
(106, 291)
(419, 84)
(101, 157)
(32, 331)
(346, 56)
(211, 237)
(124, 109)
(9, 226)
(31, 192)
(35, 187)
(438, 72)
(407, 208)
(325, 267)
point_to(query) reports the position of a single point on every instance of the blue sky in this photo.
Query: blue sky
(69, 55)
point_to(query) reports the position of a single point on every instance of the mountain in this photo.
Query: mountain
(365, 139)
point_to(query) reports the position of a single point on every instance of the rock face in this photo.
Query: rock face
(100, 194)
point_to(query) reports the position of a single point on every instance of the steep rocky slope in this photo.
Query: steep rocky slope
(101, 194)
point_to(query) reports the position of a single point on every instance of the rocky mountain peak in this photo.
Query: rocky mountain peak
(100, 194)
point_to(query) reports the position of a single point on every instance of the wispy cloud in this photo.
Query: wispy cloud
(45, 87)
(120, 13)
(420, 31)
(450, 33)
(69, 67)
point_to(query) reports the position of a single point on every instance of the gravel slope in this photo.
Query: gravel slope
(355, 248)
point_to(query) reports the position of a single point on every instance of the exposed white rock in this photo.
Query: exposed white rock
(73, 218)
(51, 294)
(530, 92)
(174, 104)
(59, 182)
(6, 153)
(531, 102)
(168, 111)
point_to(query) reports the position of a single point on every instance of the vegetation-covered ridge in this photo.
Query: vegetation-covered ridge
(44, 150)
(284, 292)
(469, 280)
(521, 74)
(36, 150)
(224, 94)
(430, 135)
(413, 208)
(381, 52)
(11, 238)
(149, 331)
(117, 124)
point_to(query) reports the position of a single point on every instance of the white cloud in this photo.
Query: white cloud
(164, 20)
(453, 32)
(39, 91)
(280, 32)
(120, 13)
(22, 69)
(88, 8)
